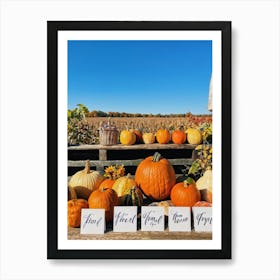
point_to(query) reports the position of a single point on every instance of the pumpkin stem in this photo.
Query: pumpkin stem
(188, 182)
(87, 167)
(156, 156)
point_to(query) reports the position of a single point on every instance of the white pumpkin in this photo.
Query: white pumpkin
(85, 181)
(204, 184)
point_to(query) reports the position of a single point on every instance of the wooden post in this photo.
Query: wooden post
(102, 154)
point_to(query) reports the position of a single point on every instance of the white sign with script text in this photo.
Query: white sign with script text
(152, 218)
(125, 219)
(179, 218)
(202, 218)
(92, 221)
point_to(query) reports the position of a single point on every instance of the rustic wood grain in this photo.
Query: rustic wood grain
(74, 234)
(134, 147)
(128, 162)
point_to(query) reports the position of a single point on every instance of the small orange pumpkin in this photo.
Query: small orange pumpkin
(138, 134)
(107, 184)
(179, 137)
(209, 196)
(155, 176)
(127, 137)
(203, 204)
(163, 136)
(185, 193)
(104, 199)
(75, 207)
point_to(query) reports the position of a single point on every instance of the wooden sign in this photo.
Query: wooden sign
(93, 221)
(125, 219)
(179, 218)
(202, 218)
(152, 218)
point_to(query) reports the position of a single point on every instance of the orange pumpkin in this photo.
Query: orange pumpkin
(155, 176)
(185, 193)
(104, 199)
(107, 184)
(209, 196)
(127, 137)
(163, 136)
(179, 137)
(138, 134)
(203, 204)
(75, 207)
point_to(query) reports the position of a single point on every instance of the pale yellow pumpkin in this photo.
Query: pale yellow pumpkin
(148, 138)
(204, 185)
(85, 181)
(123, 185)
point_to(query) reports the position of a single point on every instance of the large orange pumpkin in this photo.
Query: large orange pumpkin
(155, 176)
(104, 199)
(163, 136)
(185, 193)
(75, 207)
(179, 137)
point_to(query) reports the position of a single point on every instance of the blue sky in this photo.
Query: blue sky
(140, 76)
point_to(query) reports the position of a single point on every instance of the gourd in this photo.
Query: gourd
(155, 176)
(194, 136)
(134, 198)
(123, 185)
(179, 137)
(75, 207)
(185, 193)
(163, 136)
(104, 199)
(127, 137)
(204, 184)
(148, 138)
(85, 181)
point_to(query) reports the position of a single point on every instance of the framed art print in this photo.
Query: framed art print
(139, 140)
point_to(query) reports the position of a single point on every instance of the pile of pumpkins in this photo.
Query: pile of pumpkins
(162, 136)
(154, 177)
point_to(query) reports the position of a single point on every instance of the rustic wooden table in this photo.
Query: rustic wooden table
(74, 234)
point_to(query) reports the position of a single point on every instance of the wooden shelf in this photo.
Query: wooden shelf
(155, 146)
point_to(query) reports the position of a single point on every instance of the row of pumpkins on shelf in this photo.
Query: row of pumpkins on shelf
(154, 177)
(162, 136)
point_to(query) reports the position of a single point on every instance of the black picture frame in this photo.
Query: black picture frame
(52, 146)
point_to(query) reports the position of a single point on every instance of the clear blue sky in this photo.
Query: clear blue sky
(140, 76)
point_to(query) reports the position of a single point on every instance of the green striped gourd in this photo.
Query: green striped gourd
(134, 198)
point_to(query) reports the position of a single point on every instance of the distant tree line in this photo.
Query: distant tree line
(98, 113)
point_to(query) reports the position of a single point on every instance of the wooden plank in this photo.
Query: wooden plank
(154, 146)
(128, 162)
(74, 234)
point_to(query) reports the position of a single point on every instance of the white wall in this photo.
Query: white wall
(255, 195)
